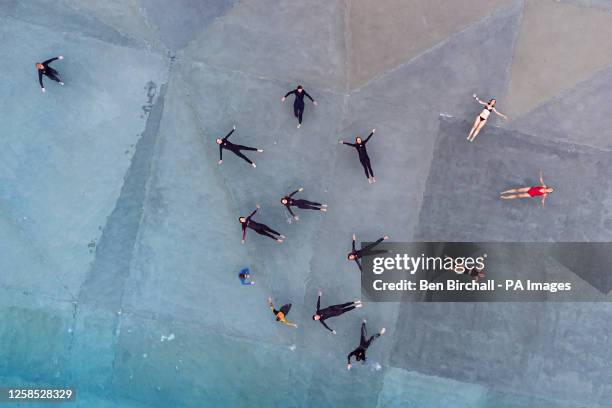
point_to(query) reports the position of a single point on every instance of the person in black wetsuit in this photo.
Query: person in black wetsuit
(332, 311)
(44, 69)
(261, 229)
(289, 202)
(357, 254)
(360, 145)
(298, 103)
(360, 352)
(235, 148)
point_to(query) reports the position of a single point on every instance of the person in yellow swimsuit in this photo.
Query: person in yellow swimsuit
(281, 315)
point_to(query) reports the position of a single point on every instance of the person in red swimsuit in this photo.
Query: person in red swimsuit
(527, 192)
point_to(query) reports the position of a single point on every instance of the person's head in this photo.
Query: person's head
(300, 88)
(39, 66)
(316, 317)
(358, 140)
(549, 190)
(242, 220)
(284, 200)
(219, 141)
(351, 256)
(244, 276)
(492, 102)
(360, 357)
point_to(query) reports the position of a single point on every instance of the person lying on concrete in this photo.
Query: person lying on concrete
(298, 102)
(360, 352)
(289, 202)
(245, 277)
(357, 254)
(261, 229)
(528, 192)
(481, 119)
(281, 314)
(235, 148)
(44, 69)
(360, 145)
(332, 311)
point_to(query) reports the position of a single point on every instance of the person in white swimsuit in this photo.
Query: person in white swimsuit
(481, 119)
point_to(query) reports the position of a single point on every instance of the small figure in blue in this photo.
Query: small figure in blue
(245, 277)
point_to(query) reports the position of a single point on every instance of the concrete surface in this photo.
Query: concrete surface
(558, 46)
(118, 228)
(387, 33)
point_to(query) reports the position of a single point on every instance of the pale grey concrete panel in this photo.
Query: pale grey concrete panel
(386, 33)
(580, 115)
(180, 21)
(125, 16)
(65, 152)
(559, 45)
(299, 42)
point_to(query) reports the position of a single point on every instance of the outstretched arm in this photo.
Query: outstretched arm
(366, 141)
(289, 93)
(353, 353)
(309, 97)
(296, 191)
(290, 210)
(500, 114)
(244, 282)
(271, 306)
(353, 243)
(220, 154)
(542, 178)
(478, 100)
(40, 80)
(544, 199)
(358, 264)
(288, 323)
(229, 134)
(319, 302)
(50, 60)
(327, 327)
(346, 143)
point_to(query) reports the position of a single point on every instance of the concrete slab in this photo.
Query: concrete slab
(63, 163)
(125, 16)
(578, 115)
(294, 42)
(56, 16)
(533, 356)
(559, 45)
(192, 16)
(469, 208)
(387, 33)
